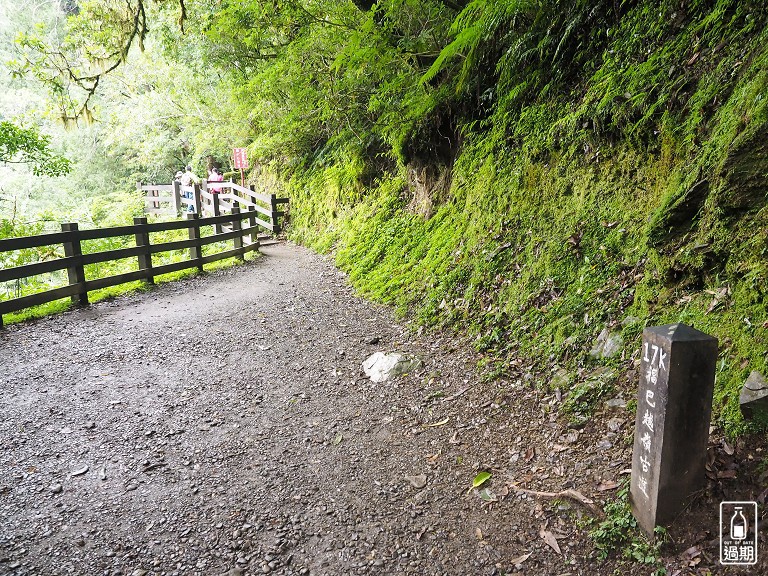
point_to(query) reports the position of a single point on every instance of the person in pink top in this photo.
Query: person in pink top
(215, 175)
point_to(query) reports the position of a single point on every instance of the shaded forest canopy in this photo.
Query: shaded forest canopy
(531, 171)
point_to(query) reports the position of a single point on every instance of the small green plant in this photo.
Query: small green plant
(619, 532)
(762, 467)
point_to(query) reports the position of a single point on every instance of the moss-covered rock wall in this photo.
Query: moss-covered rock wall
(534, 239)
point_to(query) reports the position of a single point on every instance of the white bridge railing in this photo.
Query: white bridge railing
(173, 199)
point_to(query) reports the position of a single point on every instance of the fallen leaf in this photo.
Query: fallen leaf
(479, 480)
(715, 303)
(692, 552)
(432, 458)
(479, 533)
(530, 453)
(454, 439)
(551, 541)
(441, 423)
(607, 485)
(520, 559)
(338, 439)
(745, 362)
(727, 448)
(727, 474)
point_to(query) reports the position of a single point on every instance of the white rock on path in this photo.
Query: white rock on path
(380, 367)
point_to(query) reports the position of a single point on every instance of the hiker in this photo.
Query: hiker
(188, 179)
(215, 175)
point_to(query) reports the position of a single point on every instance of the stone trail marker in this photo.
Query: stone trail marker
(674, 405)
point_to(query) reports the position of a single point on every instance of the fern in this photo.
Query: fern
(464, 45)
(476, 29)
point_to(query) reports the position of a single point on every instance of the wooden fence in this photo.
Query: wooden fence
(172, 199)
(244, 240)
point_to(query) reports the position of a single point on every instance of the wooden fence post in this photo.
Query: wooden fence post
(195, 251)
(203, 188)
(216, 212)
(196, 197)
(252, 220)
(273, 208)
(76, 273)
(142, 240)
(237, 226)
(176, 196)
(140, 192)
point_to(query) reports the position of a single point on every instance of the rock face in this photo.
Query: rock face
(380, 367)
(753, 399)
(608, 344)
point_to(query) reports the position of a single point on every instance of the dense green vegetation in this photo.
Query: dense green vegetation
(572, 166)
(529, 171)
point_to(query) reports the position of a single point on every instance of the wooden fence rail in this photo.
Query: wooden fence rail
(245, 239)
(171, 199)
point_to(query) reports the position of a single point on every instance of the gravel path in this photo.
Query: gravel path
(221, 425)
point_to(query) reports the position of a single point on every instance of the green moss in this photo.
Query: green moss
(55, 307)
(567, 216)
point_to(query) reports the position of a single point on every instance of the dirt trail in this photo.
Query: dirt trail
(221, 425)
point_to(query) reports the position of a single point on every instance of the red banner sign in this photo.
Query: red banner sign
(240, 157)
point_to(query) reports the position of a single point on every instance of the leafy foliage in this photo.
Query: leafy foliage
(28, 146)
(99, 36)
